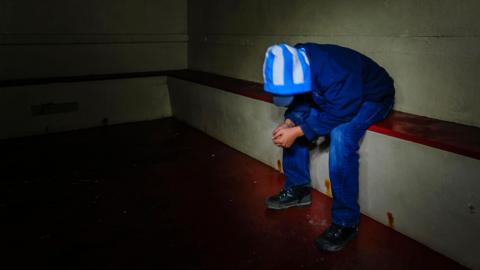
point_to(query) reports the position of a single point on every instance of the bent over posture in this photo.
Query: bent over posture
(329, 90)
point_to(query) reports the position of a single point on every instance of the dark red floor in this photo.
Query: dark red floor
(160, 195)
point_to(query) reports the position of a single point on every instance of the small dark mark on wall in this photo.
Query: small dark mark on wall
(391, 221)
(54, 108)
(471, 209)
(328, 188)
(279, 166)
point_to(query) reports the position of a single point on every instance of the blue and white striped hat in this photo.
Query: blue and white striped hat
(286, 71)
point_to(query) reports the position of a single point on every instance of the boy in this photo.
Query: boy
(329, 90)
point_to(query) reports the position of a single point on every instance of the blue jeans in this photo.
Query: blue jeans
(343, 162)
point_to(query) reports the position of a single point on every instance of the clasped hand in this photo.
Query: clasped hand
(286, 134)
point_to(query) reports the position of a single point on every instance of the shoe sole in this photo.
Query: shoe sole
(339, 247)
(302, 203)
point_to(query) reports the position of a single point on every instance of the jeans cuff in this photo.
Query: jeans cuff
(348, 224)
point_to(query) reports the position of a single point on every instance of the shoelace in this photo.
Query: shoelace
(334, 230)
(284, 193)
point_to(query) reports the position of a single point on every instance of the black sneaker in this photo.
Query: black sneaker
(290, 197)
(335, 237)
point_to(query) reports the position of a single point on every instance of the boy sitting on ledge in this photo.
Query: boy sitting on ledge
(329, 90)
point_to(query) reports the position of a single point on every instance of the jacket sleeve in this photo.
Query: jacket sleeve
(298, 111)
(342, 101)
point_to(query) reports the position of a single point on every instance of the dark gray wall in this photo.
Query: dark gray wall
(431, 47)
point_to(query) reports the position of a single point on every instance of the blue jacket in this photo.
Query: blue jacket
(342, 80)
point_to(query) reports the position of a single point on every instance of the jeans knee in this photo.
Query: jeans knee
(344, 139)
(337, 135)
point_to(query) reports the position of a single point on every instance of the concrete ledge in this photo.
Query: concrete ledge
(444, 135)
(35, 109)
(448, 136)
